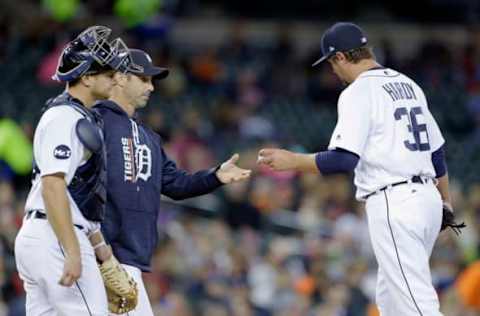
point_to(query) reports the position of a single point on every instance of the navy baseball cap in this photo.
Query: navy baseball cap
(341, 37)
(144, 65)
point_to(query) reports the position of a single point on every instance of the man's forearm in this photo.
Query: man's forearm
(54, 193)
(305, 163)
(324, 162)
(102, 250)
(443, 188)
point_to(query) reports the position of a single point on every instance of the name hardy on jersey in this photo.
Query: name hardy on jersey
(400, 91)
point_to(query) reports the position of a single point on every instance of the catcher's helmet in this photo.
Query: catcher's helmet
(90, 52)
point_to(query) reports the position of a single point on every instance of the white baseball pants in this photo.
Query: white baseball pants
(39, 259)
(404, 222)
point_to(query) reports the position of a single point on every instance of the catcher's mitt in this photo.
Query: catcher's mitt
(122, 292)
(448, 220)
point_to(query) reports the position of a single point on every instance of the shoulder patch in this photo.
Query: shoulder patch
(62, 152)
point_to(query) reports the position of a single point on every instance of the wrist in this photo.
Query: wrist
(71, 247)
(216, 170)
(95, 237)
(103, 252)
(72, 252)
(447, 203)
(297, 161)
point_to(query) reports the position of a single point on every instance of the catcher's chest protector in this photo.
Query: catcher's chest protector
(88, 186)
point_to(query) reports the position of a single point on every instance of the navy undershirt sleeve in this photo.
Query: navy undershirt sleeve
(336, 161)
(439, 163)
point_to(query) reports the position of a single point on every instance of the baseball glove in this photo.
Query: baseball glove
(448, 220)
(122, 292)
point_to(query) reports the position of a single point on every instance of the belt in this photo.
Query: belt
(414, 179)
(38, 214)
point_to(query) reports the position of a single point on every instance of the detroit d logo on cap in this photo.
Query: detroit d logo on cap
(62, 152)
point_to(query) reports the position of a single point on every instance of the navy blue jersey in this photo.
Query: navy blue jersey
(139, 171)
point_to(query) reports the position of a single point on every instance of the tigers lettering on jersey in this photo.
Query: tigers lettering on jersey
(137, 160)
(128, 164)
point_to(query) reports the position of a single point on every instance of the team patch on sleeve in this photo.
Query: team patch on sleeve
(62, 152)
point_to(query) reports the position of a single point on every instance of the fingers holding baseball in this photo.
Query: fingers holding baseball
(265, 157)
(266, 152)
(277, 159)
(262, 158)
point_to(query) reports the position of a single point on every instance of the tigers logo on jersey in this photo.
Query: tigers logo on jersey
(143, 159)
(137, 161)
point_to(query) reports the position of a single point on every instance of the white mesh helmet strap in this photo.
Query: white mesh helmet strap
(124, 62)
(95, 38)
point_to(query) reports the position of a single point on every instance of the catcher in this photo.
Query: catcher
(67, 200)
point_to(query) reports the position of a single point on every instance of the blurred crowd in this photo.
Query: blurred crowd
(281, 243)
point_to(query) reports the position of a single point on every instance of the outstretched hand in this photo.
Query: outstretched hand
(229, 172)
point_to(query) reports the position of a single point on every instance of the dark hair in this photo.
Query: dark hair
(73, 82)
(95, 69)
(357, 54)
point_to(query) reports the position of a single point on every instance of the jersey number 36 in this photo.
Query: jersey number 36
(414, 128)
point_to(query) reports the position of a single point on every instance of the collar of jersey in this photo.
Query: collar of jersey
(377, 68)
(71, 98)
(111, 106)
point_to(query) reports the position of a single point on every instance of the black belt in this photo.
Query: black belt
(38, 214)
(414, 179)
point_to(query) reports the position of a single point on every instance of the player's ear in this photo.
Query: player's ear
(340, 57)
(119, 79)
(87, 80)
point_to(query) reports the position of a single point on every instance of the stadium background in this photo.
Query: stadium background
(279, 244)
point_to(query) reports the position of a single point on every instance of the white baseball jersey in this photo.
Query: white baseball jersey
(38, 254)
(383, 117)
(58, 149)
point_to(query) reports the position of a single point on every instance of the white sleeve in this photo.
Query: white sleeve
(435, 137)
(353, 124)
(60, 150)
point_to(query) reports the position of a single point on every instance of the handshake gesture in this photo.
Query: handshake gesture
(275, 158)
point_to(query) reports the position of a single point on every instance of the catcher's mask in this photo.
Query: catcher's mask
(91, 52)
